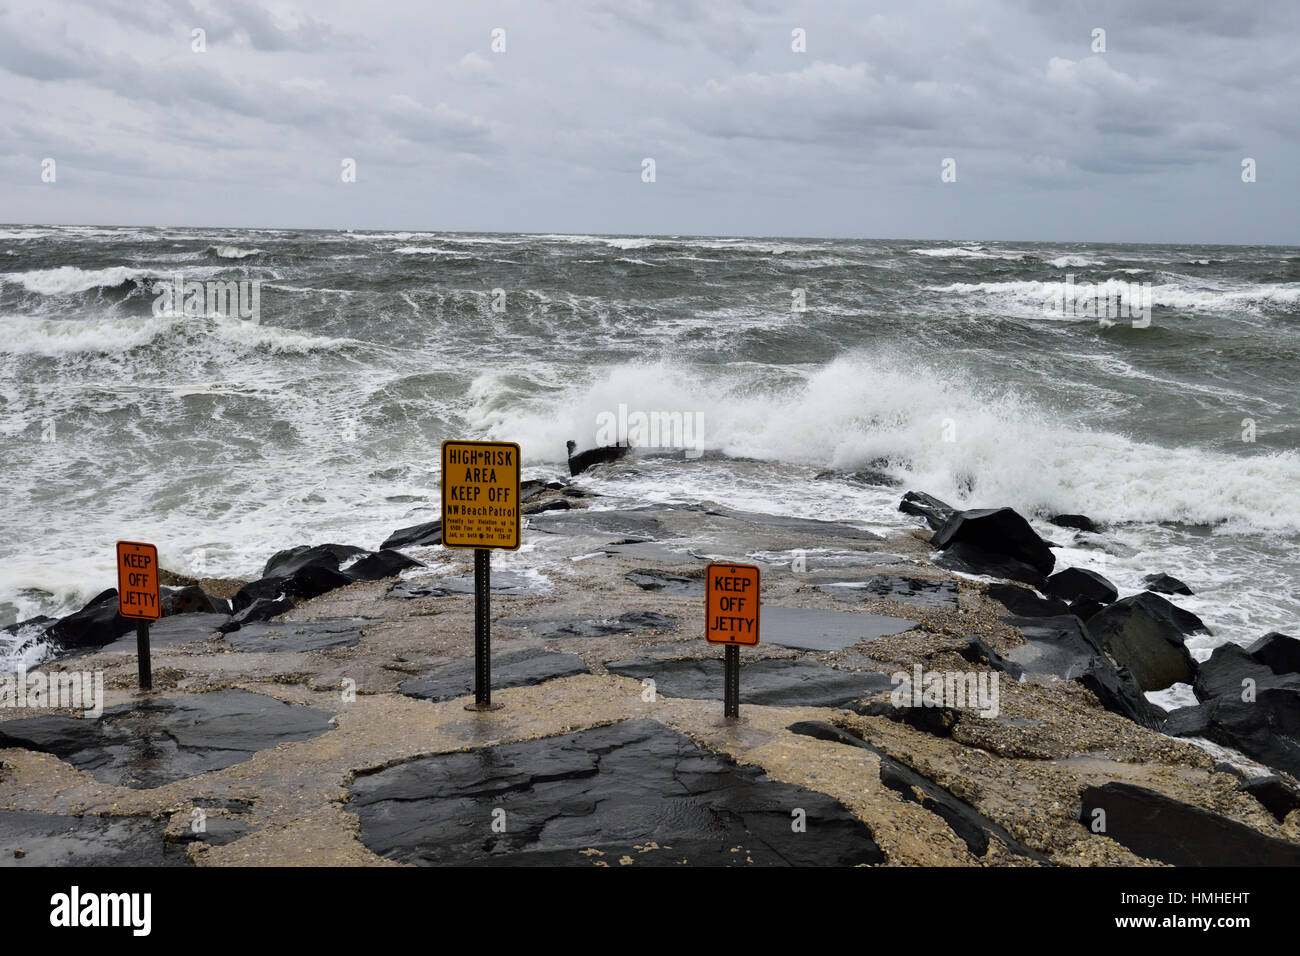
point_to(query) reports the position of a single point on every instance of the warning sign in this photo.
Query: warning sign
(480, 494)
(731, 604)
(137, 581)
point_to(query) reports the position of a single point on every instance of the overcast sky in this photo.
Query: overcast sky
(1051, 140)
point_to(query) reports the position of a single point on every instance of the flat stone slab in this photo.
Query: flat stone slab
(625, 623)
(665, 582)
(299, 636)
(501, 582)
(150, 743)
(826, 559)
(633, 791)
(1058, 646)
(923, 593)
(517, 669)
(651, 551)
(28, 838)
(618, 523)
(803, 526)
(769, 683)
(813, 630)
(174, 630)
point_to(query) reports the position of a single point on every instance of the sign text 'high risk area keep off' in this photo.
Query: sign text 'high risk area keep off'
(480, 510)
(138, 598)
(731, 598)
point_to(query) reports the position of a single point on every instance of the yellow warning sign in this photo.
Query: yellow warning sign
(480, 494)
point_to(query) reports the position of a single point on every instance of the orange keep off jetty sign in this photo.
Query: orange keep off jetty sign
(480, 494)
(731, 604)
(137, 581)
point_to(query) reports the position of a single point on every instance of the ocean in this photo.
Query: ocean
(940, 364)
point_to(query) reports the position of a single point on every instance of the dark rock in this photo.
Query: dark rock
(976, 651)
(1277, 796)
(307, 582)
(263, 609)
(217, 831)
(190, 600)
(935, 512)
(559, 504)
(501, 582)
(52, 839)
(174, 630)
(377, 565)
(808, 629)
(935, 721)
(624, 623)
(417, 535)
(1265, 728)
(1226, 672)
(973, 827)
(770, 683)
(1072, 584)
(621, 791)
(1280, 653)
(157, 741)
(533, 487)
(1055, 646)
(1166, 584)
(1157, 827)
(998, 531)
(1077, 522)
(972, 560)
(918, 591)
(1084, 608)
(1023, 602)
(581, 461)
(651, 551)
(1117, 691)
(664, 582)
(286, 563)
(873, 477)
(298, 636)
(516, 669)
(95, 625)
(1145, 634)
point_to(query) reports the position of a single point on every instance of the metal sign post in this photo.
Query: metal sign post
(137, 597)
(731, 617)
(480, 510)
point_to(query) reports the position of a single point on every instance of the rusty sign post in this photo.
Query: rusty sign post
(480, 510)
(137, 597)
(731, 596)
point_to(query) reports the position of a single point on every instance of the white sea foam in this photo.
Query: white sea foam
(67, 280)
(232, 252)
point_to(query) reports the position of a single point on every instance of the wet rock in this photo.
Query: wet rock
(635, 789)
(808, 629)
(770, 683)
(1157, 827)
(581, 461)
(1227, 671)
(501, 582)
(664, 582)
(969, 559)
(53, 839)
(418, 535)
(1276, 795)
(998, 532)
(1264, 726)
(651, 551)
(977, 651)
(1145, 634)
(516, 669)
(974, 828)
(1074, 584)
(873, 477)
(1166, 584)
(1077, 522)
(217, 831)
(1278, 652)
(1023, 602)
(299, 636)
(190, 600)
(95, 625)
(1055, 646)
(263, 609)
(1084, 608)
(559, 504)
(290, 561)
(624, 623)
(157, 741)
(174, 630)
(307, 582)
(1117, 691)
(804, 526)
(934, 512)
(918, 591)
(377, 565)
(622, 524)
